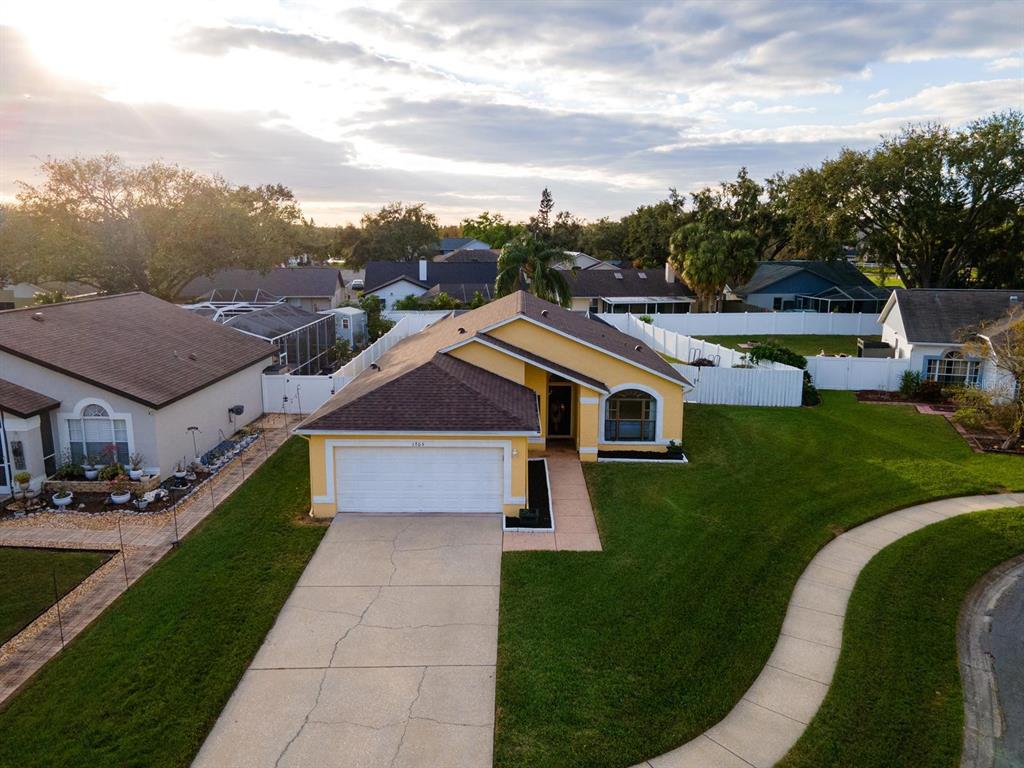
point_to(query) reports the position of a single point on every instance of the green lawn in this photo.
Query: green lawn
(888, 279)
(26, 587)
(896, 699)
(606, 659)
(144, 684)
(807, 345)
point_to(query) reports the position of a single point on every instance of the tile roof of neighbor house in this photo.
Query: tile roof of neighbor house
(380, 273)
(23, 402)
(399, 396)
(841, 273)
(275, 320)
(608, 283)
(946, 315)
(279, 281)
(139, 346)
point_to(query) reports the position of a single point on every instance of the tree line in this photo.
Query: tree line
(936, 206)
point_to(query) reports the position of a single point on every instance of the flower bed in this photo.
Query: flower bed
(160, 496)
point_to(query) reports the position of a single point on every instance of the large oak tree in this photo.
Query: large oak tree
(153, 228)
(941, 207)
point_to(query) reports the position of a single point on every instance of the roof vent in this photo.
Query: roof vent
(374, 366)
(637, 347)
(38, 317)
(1014, 299)
(641, 275)
(544, 313)
(462, 330)
(192, 356)
(618, 275)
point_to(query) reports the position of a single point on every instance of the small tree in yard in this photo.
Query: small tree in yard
(1002, 340)
(376, 324)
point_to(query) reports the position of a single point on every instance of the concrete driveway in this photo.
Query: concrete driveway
(383, 655)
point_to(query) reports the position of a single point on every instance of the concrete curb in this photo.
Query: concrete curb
(776, 709)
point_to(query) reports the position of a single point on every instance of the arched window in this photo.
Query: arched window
(953, 368)
(97, 436)
(630, 415)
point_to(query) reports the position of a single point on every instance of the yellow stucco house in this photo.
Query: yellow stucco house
(445, 421)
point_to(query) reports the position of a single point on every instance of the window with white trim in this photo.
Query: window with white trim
(630, 416)
(91, 435)
(954, 369)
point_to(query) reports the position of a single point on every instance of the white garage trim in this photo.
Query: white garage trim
(329, 496)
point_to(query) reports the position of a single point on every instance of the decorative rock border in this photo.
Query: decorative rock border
(776, 709)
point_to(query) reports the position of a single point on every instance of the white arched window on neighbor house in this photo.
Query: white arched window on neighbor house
(630, 415)
(93, 431)
(954, 368)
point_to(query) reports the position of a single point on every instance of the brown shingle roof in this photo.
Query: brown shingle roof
(402, 397)
(136, 345)
(24, 402)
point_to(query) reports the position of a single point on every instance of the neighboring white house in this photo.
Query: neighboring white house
(392, 281)
(17, 295)
(128, 370)
(929, 327)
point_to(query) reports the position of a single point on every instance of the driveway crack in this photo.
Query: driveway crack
(409, 718)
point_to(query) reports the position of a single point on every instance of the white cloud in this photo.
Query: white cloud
(880, 94)
(1006, 62)
(956, 102)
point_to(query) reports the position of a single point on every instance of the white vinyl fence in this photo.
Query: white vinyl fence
(768, 384)
(284, 393)
(761, 323)
(743, 386)
(857, 372)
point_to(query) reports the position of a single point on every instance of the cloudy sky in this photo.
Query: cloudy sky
(473, 106)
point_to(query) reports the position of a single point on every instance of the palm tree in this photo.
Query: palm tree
(525, 259)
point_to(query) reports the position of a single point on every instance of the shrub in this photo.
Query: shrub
(810, 395)
(69, 471)
(977, 409)
(930, 392)
(23, 477)
(910, 383)
(111, 471)
(645, 319)
(770, 352)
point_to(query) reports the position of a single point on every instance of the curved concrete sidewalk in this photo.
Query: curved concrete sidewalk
(776, 709)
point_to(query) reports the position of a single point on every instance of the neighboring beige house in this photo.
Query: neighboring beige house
(129, 370)
(313, 289)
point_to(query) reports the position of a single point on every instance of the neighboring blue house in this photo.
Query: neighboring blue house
(812, 286)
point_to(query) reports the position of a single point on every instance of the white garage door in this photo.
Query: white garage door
(399, 479)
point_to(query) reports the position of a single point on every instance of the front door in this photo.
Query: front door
(560, 409)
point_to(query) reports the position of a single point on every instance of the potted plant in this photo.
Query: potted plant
(120, 490)
(111, 472)
(135, 466)
(179, 471)
(89, 467)
(62, 497)
(23, 479)
(674, 449)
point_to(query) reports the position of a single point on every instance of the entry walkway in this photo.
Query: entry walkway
(384, 654)
(777, 708)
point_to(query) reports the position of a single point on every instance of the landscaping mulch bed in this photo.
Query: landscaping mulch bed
(671, 458)
(537, 474)
(881, 396)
